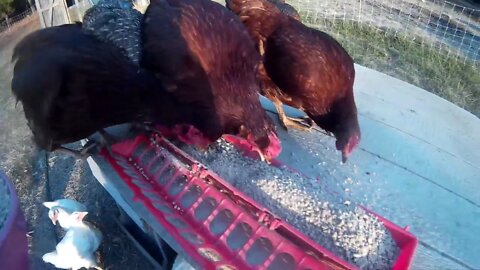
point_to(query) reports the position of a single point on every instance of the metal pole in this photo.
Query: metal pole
(360, 11)
(8, 24)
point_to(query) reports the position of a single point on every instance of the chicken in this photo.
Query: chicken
(285, 8)
(117, 23)
(60, 210)
(71, 85)
(207, 59)
(77, 248)
(304, 68)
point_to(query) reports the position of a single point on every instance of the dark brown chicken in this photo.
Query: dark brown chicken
(71, 85)
(304, 68)
(286, 8)
(207, 56)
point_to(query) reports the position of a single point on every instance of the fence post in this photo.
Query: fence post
(40, 13)
(360, 11)
(8, 24)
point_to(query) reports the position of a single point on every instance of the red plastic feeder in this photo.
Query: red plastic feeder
(215, 224)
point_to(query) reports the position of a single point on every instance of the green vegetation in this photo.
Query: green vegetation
(6, 8)
(411, 59)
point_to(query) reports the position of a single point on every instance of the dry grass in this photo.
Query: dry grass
(25, 166)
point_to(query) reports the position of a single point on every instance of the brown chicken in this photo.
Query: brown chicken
(206, 58)
(285, 8)
(304, 68)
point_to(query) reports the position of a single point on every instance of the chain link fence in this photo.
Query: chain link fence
(432, 44)
(441, 25)
(9, 22)
(438, 24)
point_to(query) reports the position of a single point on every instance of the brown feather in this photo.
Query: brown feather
(206, 51)
(310, 69)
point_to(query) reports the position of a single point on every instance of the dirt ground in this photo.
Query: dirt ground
(69, 178)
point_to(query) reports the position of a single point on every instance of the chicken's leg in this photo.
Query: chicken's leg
(80, 154)
(106, 139)
(261, 48)
(91, 147)
(271, 91)
(87, 150)
(287, 121)
(303, 120)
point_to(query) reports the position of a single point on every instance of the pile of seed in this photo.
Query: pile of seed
(4, 202)
(341, 227)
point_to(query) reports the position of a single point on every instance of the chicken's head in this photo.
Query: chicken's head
(347, 132)
(342, 121)
(347, 144)
(190, 135)
(65, 218)
(273, 147)
(267, 147)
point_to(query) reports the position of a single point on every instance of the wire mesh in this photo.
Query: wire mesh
(10, 22)
(443, 25)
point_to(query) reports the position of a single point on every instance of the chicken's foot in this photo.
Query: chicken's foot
(287, 121)
(261, 48)
(107, 139)
(92, 146)
(303, 120)
(83, 153)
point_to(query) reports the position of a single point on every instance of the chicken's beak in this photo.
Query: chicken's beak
(344, 158)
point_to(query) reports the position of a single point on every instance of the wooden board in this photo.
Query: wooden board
(52, 12)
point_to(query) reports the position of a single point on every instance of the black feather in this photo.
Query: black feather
(71, 85)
